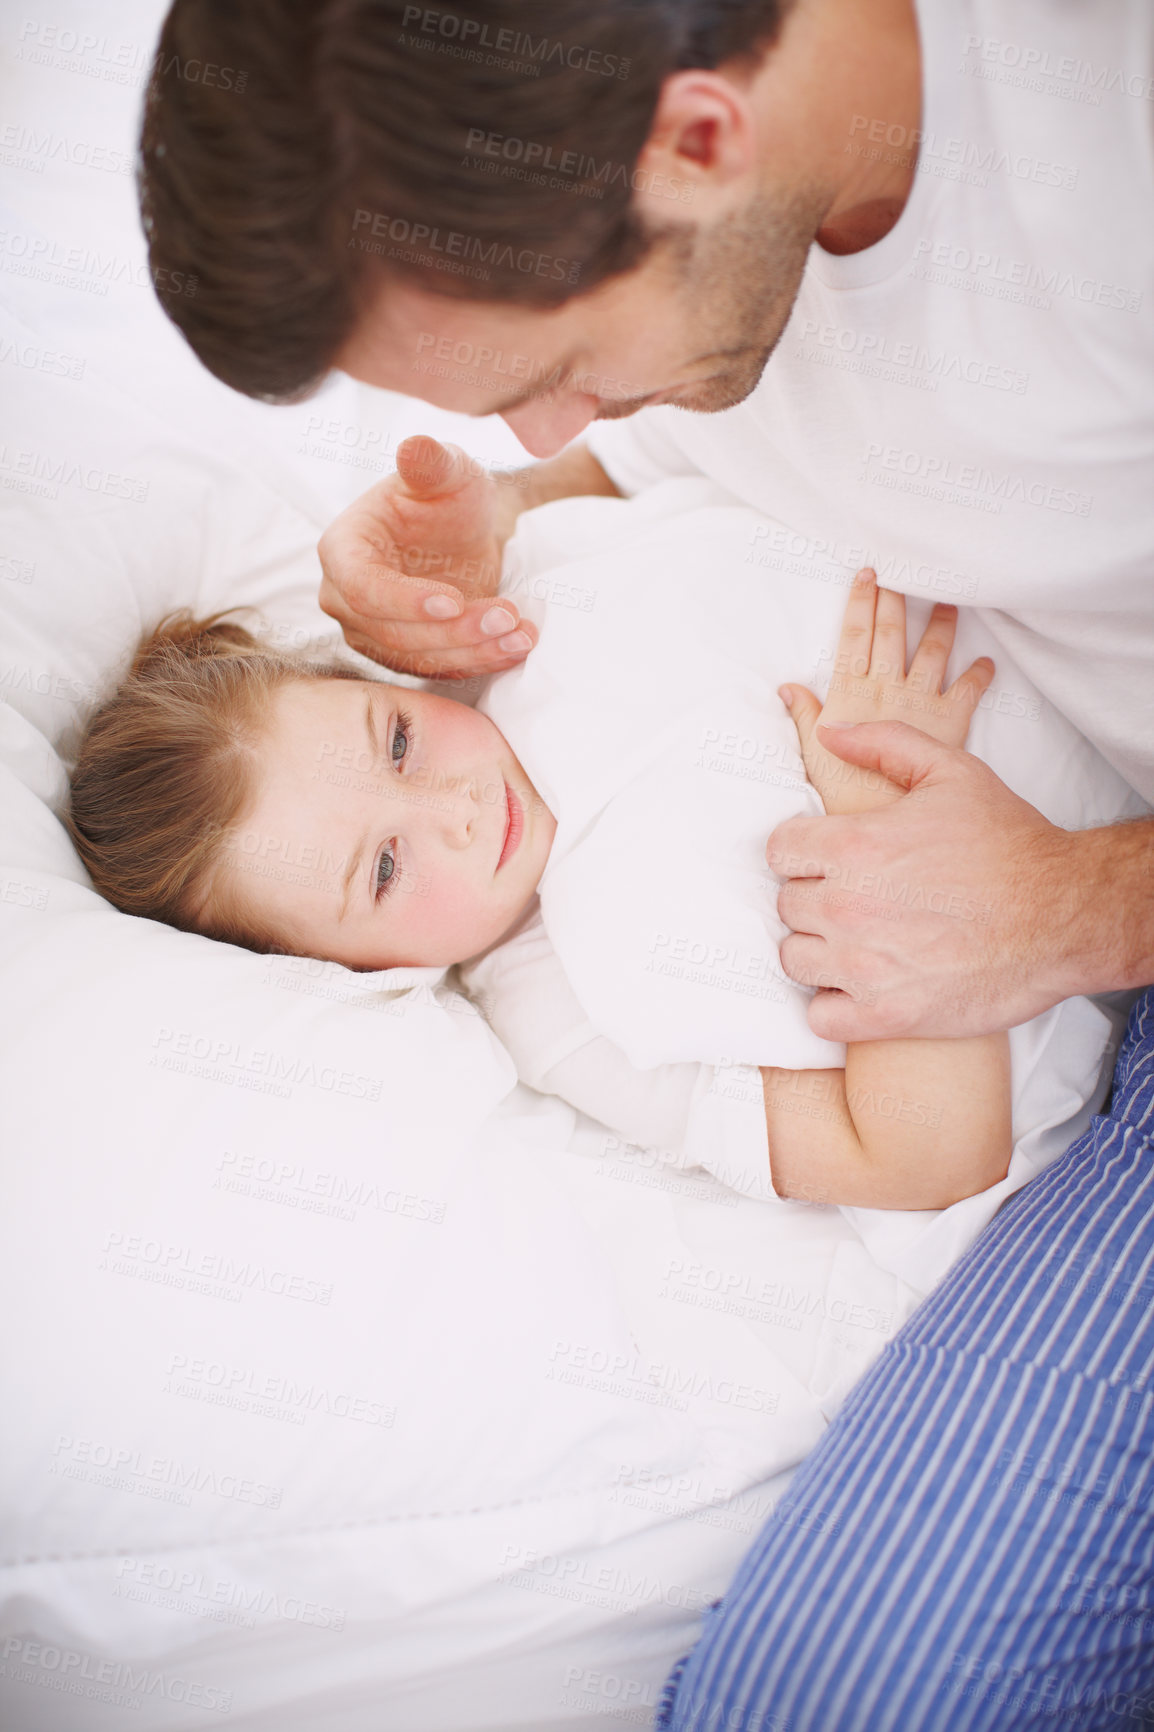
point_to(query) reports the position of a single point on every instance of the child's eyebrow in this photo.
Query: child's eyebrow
(371, 726)
(354, 869)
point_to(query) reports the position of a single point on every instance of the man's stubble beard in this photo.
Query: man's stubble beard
(745, 273)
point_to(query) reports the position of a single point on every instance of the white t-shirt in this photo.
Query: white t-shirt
(645, 989)
(713, 1117)
(695, 1115)
(969, 404)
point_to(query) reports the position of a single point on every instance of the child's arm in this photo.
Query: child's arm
(691, 1116)
(909, 1124)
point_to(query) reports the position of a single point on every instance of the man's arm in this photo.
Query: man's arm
(411, 567)
(958, 910)
(575, 471)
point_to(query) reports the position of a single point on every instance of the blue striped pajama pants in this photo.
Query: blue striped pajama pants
(971, 1546)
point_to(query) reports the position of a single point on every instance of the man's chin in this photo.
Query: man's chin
(707, 397)
(726, 390)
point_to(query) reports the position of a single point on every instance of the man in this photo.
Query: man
(888, 277)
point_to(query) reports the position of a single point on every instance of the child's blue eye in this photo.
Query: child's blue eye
(386, 867)
(401, 736)
(388, 871)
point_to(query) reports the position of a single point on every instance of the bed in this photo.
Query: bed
(358, 1387)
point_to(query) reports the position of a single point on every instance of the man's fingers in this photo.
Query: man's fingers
(903, 755)
(840, 1016)
(483, 625)
(490, 630)
(845, 1006)
(476, 661)
(370, 589)
(800, 846)
(803, 904)
(814, 962)
(357, 585)
(797, 847)
(411, 569)
(428, 468)
(804, 957)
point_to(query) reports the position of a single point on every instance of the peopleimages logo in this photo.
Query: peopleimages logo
(217, 1272)
(474, 40)
(455, 248)
(117, 1683)
(221, 1060)
(188, 1589)
(530, 160)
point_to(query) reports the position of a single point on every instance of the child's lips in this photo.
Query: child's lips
(514, 825)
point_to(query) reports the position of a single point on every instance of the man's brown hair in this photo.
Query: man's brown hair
(294, 150)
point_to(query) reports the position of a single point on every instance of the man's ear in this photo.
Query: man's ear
(700, 151)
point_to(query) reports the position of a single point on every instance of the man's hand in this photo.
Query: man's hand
(412, 566)
(957, 910)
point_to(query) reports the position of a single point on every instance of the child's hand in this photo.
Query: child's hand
(870, 684)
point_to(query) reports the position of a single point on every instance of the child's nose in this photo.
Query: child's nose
(459, 816)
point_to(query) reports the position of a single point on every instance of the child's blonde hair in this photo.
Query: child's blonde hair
(166, 768)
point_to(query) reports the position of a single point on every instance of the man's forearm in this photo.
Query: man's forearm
(574, 472)
(1102, 898)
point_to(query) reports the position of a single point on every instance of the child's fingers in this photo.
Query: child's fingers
(928, 667)
(805, 710)
(888, 657)
(967, 689)
(857, 626)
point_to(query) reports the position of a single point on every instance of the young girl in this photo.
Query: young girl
(286, 806)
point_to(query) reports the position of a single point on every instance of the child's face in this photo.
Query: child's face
(375, 842)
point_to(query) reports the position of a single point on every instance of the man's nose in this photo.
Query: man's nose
(546, 424)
